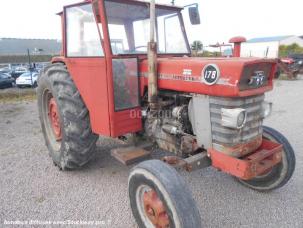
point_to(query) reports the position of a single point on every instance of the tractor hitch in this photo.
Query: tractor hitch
(198, 161)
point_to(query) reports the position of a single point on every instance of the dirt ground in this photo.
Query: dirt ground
(32, 188)
(16, 94)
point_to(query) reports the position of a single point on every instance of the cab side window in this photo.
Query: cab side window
(82, 34)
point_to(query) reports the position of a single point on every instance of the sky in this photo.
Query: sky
(220, 19)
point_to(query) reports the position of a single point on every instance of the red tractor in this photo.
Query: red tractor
(126, 72)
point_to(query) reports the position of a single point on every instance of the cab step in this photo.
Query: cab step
(130, 155)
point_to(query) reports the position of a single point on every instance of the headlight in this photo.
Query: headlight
(266, 109)
(233, 118)
(241, 119)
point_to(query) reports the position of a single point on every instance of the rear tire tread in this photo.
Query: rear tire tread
(79, 142)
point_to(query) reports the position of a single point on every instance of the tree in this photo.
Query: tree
(197, 46)
(285, 50)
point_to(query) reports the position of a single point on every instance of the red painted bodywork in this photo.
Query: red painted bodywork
(231, 70)
(93, 78)
(96, 87)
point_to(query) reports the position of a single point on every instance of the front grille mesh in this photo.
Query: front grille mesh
(232, 137)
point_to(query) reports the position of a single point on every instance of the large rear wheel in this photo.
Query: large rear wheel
(280, 174)
(64, 119)
(159, 197)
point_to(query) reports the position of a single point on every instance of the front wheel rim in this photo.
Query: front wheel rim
(151, 208)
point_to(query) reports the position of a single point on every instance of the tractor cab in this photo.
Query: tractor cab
(105, 41)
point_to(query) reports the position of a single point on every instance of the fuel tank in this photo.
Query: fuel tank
(224, 77)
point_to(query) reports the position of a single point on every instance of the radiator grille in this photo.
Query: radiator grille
(232, 137)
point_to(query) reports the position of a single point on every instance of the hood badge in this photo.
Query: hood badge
(210, 74)
(258, 79)
(187, 72)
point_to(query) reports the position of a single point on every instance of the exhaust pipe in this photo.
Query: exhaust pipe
(152, 59)
(237, 45)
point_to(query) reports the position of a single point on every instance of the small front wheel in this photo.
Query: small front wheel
(160, 198)
(280, 174)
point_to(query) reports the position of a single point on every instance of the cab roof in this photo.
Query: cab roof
(140, 1)
(128, 1)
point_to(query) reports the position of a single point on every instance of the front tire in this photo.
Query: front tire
(160, 198)
(280, 174)
(64, 119)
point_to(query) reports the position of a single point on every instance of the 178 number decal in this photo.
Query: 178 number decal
(210, 74)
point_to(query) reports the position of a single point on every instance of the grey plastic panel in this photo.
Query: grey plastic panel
(200, 119)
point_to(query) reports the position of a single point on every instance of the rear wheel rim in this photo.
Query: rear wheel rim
(53, 115)
(51, 121)
(151, 208)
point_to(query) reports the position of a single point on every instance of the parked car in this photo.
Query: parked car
(292, 66)
(6, 70)
(18, 71)
(297, 58)
(28, 79)
(6, 81)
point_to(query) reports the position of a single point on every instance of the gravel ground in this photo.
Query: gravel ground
(32, 188)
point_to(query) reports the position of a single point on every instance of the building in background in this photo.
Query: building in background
(13, 46)
(14, 50)
(268, 46)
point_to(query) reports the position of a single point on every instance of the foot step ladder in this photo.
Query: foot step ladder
(130, 155)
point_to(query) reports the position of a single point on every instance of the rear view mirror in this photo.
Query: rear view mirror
(194, 15)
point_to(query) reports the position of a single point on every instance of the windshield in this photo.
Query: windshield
(129, 24)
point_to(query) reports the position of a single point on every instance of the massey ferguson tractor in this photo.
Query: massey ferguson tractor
(126, 72)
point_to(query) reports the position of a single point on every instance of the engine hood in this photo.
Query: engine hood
(214, 76)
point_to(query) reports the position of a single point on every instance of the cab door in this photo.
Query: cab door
(122, 73)
(125, 110)
(85, 60)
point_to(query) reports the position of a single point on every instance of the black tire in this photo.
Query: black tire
(177, 199)
(78, 142)
(35, 85)
(281, 173)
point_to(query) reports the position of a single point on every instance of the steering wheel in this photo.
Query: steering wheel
(143, 46)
